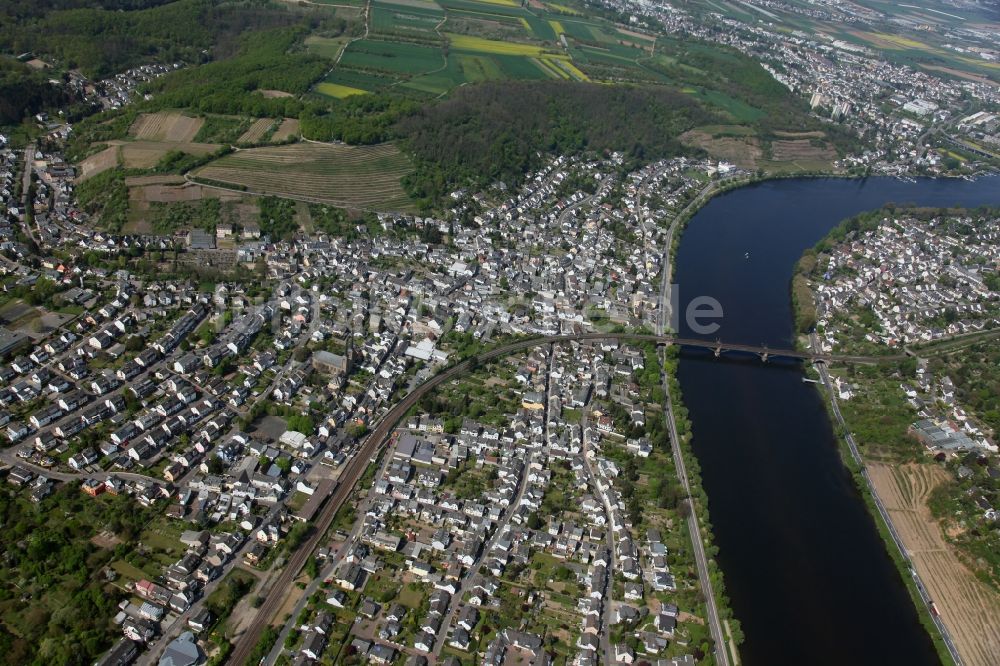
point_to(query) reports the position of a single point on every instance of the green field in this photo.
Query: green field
(346, 176)
(390, 18)
(357, 79)
(338, 91)
(478, 68)
(392, 57)
(328, 47)
(440, 81)
(485, 39)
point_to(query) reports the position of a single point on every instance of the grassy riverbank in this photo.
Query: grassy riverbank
(699, 502)
(886, 459)
(902, 564)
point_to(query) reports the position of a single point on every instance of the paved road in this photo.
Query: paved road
(715, 626)
(9, 457)
(694, 527)
(353, 470)
(472, 574)
(609, 588)
(356, 466)
(26, 202)
(327, 571)
(179, 624)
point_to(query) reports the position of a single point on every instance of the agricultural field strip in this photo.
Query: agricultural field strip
(355, 176)
(256, 131)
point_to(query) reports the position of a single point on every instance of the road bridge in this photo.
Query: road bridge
(718, 347)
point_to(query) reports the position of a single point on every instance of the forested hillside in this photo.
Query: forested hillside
(101, 42)
(23, 91)
(495, 131)
(232, 85)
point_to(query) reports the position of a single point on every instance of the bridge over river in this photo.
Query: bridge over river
(716, 346)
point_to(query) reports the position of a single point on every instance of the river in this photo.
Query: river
(805, 568)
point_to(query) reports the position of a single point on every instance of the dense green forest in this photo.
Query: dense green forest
(101, 42)
(361, 119)
(24, 92)
(54, 603)
(495, 131)
(262, 62)
(26, 9)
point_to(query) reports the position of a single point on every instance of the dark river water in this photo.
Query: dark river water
(808, 575)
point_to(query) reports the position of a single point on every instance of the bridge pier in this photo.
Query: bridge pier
(717, 351)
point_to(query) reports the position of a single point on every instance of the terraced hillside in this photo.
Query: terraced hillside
(349, 176)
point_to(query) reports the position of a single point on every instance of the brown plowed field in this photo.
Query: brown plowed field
(146, 154)
(288, 128)
(348, 176)
(256, 131)
(98, 162)
(166, 126)
(969, 609)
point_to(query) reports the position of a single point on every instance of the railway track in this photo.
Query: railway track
(373, 444)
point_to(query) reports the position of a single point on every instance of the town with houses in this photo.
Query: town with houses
(185, 397)
(498, 525)
(922, 280)
(894, 108)
(905, 283)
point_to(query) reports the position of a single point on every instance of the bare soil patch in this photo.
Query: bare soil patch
(244, 612)
(274, 94)
(146, 154)
(294, 594)
(167, 193)
(963, 75)
(256, 131)
(288, 128)
(969, 609)
(816, 134)
(15, 311)
(795, 150)
(98, 162)
(105, 540)
(347, 176)
(166, 179)
(418, 4)
(170, 126)
(744, 152)
(170, 193)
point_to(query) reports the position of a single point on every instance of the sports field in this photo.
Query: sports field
(347, 176)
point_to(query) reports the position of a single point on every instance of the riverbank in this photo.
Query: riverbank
(686, 460)
(960, 612)
(795, 540)
(895, 547)
(700, 527)
(725, 627)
